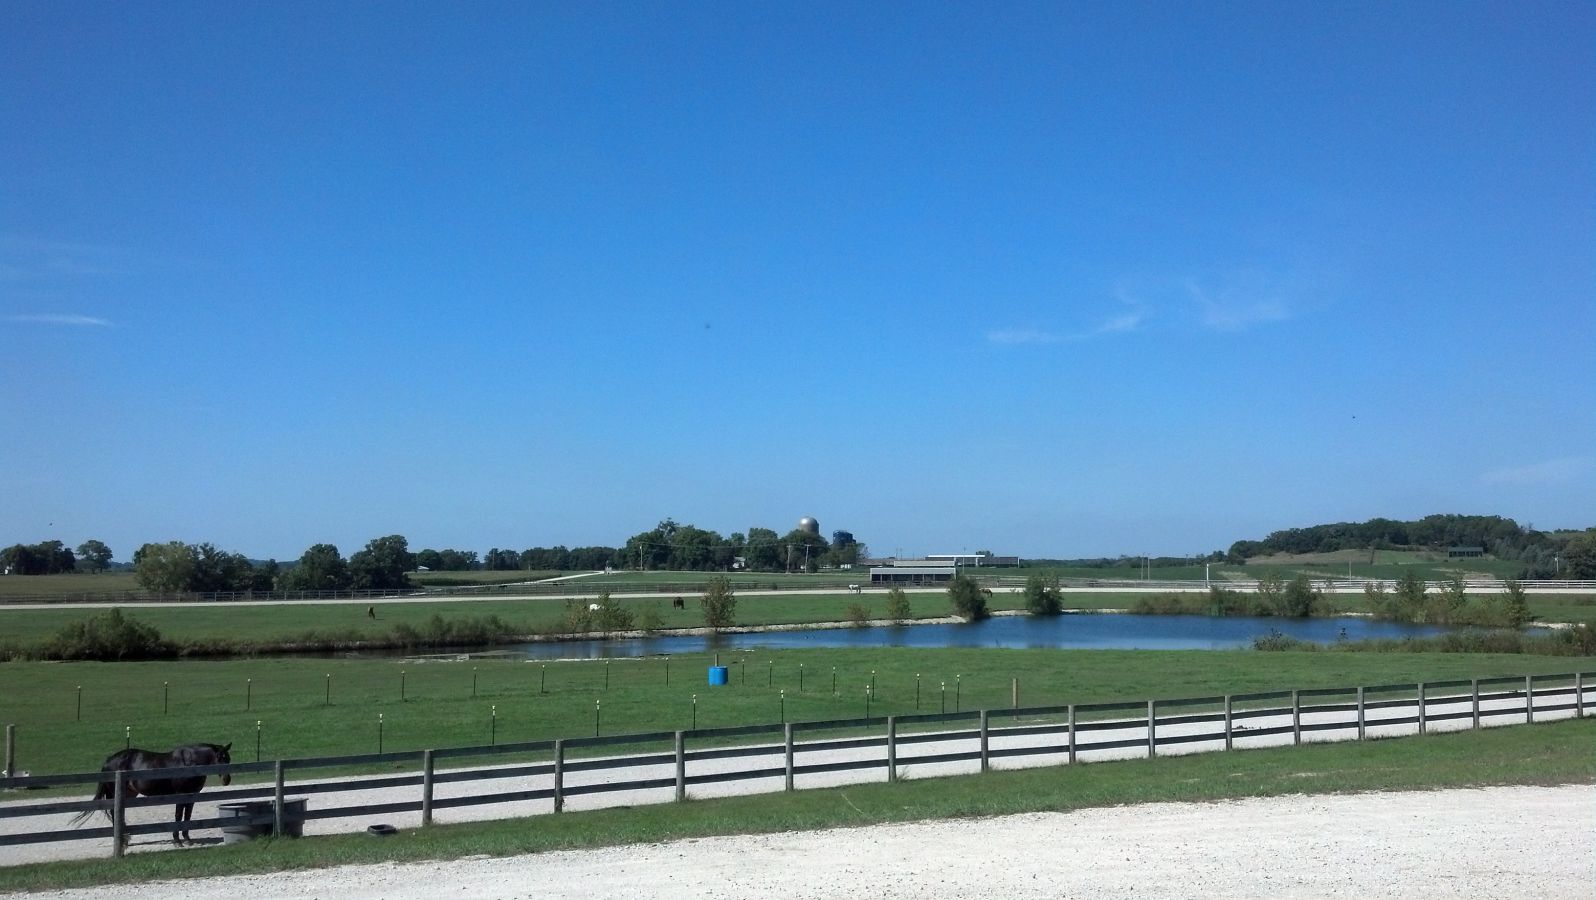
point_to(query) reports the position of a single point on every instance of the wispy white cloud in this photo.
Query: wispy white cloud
(1240, 303)
(1130, 320)
(1550, 473)
(1021, 336)
(60, 319)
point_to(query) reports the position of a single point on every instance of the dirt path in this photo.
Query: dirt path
(1499, 842)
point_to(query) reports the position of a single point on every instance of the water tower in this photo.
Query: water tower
(809, 525)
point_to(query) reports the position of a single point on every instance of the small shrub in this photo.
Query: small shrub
(719, 604)
(650, 619)
(112, 637)
(898, 606)
(858, 615)
(610, 616)
(1043, 596)
(1168, 603)
(968, 598)
(1274, 641)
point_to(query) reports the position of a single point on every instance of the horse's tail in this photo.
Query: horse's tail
(102, 803)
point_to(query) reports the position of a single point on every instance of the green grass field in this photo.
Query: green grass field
(66, 586)
(206, 701)
(1542, 754)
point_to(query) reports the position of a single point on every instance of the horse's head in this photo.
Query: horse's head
(224, 756)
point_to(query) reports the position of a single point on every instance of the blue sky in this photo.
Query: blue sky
(1049, 279)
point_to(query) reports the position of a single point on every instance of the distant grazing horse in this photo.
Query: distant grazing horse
(144, 760)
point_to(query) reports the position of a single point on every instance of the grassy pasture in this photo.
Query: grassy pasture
(67, 585)
(206, 700)
(1543, 754)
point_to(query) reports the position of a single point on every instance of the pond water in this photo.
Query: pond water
(1070, 632)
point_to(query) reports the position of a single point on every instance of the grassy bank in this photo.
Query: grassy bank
(1547, 754)
(449, 703)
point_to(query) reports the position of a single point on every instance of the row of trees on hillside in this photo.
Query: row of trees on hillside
(53, 558)
(1546, 554)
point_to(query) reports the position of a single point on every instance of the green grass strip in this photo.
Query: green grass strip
(1544, 754)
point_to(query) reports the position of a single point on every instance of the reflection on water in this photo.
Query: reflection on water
(1070, 632)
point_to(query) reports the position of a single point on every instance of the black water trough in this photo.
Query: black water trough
(255, 819)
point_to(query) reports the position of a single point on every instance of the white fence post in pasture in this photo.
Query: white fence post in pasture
(986, 760)
(277, 798)
(1579, 695)
(559, 774)
(426, 788)
(1474, 696)
(1423, 711)
(681, 767)
(11, 751)
(1072, 733)
(787, 749)
(1362, 719)
(119, 815)
(1529, 698)
(892, 748)
(1229, 709)
(1296, 717)
(1152, 728)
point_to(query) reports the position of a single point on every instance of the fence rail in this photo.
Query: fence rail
(1418, 705)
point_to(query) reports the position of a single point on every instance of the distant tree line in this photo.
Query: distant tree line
(53, 558)
(1545, 554)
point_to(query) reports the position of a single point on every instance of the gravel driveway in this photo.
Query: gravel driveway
(1498, 842)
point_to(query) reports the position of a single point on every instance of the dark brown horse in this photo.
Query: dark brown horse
(134, 760)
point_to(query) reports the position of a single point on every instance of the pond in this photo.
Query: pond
(1106, 631)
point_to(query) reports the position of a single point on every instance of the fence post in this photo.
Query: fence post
(1229, 731)
(1362, 718)
(681, 767)
(559, 774)
(1296, 716)
(11, 751)
(986, 760)
(1529, 698)
(1152, 728)
(426, 788)
(1072, 733)
(892, 748)
(1474, 693)
(119, 815)
(787, 751)
(1579, 695)
(1423, 710)
(277, 798)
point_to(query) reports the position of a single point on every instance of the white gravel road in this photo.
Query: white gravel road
(1514, 842)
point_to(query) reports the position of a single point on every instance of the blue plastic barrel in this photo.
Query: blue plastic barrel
(717, 675)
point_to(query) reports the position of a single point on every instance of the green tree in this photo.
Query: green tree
(94, 555)
(383, 565)
(165, 568)
(968, 598)
(1450, 603)
(719, 603)
(1300, 599)
(1043, 597)
(610, 616)
(1579, 557)
(898, 605)
(321, 568)
(1411, 598)
(763, 553)
(1514, 605)
(1271, 595)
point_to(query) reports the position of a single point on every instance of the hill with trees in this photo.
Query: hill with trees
(1544, 554)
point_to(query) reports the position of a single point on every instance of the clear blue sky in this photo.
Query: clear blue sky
(1056, 279)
